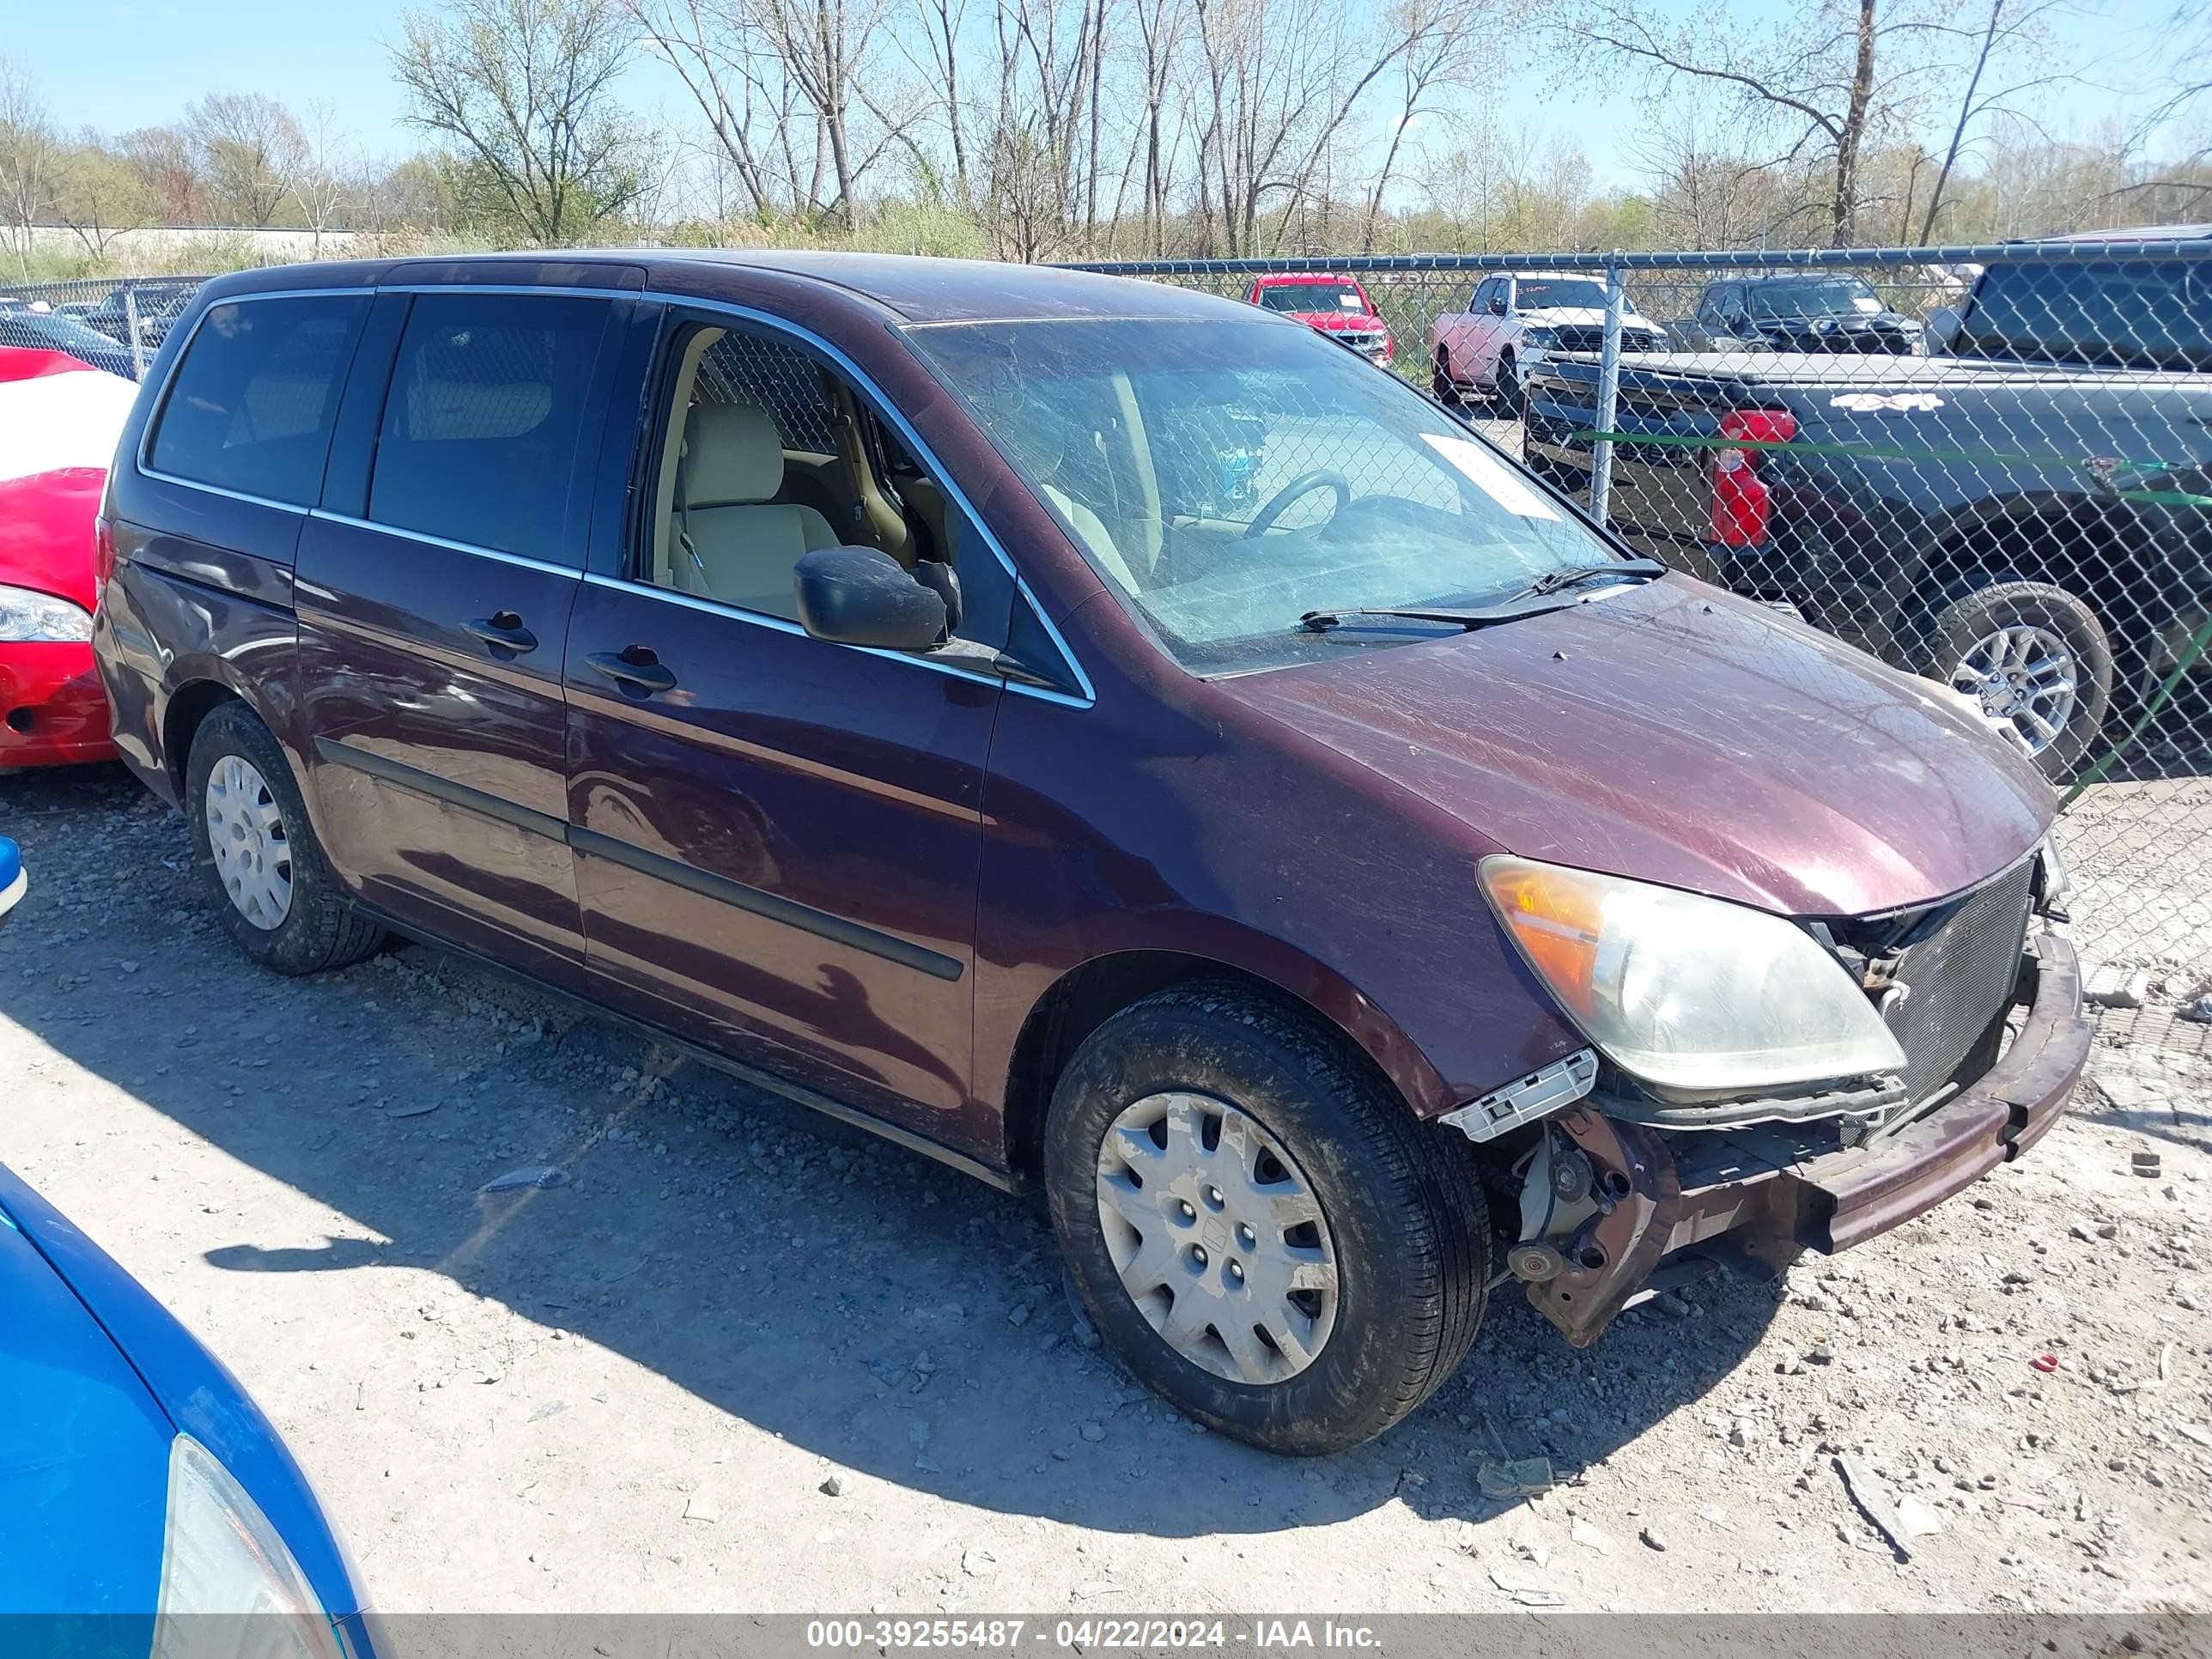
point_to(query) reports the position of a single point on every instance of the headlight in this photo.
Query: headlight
(1539, 337)
(1686, 993)
(220, 1557)
(26, 614)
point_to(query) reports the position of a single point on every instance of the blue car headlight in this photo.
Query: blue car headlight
(229, 1586)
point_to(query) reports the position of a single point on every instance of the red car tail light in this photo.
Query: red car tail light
(1742, 501)
(103, 549)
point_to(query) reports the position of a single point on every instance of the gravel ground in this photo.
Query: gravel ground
(745, 1360)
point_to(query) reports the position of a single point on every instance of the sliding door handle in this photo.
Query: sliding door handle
(636, 668)
(503, 631)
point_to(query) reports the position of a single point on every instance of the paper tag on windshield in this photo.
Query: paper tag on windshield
(1493, 476)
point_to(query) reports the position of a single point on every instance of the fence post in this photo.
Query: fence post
(130, 328)
(1608, 389)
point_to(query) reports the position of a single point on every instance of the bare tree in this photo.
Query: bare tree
(1825, 73)
(249, 148)
(522, 93)
(2011, 34)
(28, 153)
(325, 183)
(1444, 47)
(99, 195)
(162, 158)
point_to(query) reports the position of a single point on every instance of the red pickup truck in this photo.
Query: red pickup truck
(1335, 306)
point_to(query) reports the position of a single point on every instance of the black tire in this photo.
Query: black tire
(1440, 380)
(319, 929)
(1401, 1200)
(1512, 396)
(1964, 618)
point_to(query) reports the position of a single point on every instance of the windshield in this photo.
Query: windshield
(1836, 298)
(1228, 477)
(1559, 293)
(1312, 297)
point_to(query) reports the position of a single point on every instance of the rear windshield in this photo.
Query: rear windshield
(2146, 313)
(1312, 297)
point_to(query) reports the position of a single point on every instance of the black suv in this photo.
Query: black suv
(1811, 311)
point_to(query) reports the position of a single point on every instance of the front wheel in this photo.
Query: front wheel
(1441, 382)
(2035, 658)
(1267, 1234)
(1512, 397)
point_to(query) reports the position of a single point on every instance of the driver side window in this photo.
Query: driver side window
(765, 455)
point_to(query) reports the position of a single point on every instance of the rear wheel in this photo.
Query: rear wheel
(257, 856)
(2035, 656)
(1266, 1233)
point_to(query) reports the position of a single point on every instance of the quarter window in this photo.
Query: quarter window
(252, 403)
(489, 406)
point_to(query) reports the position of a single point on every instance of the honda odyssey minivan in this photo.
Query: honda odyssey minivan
(1336, 877)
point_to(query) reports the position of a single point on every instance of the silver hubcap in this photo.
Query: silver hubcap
(2022, 674)
(245, 834)
(1218, 1237)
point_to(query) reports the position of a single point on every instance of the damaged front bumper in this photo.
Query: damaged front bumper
(1759, 1195)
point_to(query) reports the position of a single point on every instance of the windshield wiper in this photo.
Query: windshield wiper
(1536, 598)
(1556, 582)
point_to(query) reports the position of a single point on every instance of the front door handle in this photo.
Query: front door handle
(634, 668)
(503, 631)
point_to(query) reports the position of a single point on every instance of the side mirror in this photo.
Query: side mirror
(1941, 333)
(1497, 305)
(861, 596)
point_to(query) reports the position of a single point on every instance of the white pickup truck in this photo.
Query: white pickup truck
(1514, 320)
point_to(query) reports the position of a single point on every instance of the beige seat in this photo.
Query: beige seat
(734, 542)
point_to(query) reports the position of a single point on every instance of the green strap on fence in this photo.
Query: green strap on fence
(2182, 665)
(1862, 452)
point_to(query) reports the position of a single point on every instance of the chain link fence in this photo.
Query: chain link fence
(115, 324)
(1991, 465)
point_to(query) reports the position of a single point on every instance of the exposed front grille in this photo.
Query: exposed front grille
(1959, 980)
(1593, 339)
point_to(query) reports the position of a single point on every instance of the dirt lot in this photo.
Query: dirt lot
(630, 1391)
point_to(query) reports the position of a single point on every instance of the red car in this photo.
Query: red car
(1335, 305)
(59, 424)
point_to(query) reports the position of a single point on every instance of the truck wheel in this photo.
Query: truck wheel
(1512, 397)
(2036, 658)
(253, 851)
(1440, 380)
(1265, 1234)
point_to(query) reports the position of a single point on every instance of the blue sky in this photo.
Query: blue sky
(120, 65)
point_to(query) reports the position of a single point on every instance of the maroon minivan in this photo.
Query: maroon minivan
(1103, 737)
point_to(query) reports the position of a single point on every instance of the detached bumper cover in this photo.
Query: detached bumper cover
(1757, 1196)
(53, 710)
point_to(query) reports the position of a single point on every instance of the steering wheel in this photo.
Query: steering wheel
(1264, 521)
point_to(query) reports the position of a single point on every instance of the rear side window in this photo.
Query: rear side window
(483, 421)
(2147, 314)
(253, 403)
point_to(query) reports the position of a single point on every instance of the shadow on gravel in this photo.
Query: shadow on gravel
(855, 1299)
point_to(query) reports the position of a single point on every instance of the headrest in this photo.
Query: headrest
(731, 453)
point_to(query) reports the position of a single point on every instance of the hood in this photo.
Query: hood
(84, 1452)
(1672, 732)
(1579, 316)
(1336, 322)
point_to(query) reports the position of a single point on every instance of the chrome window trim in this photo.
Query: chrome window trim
(141, 461)
(424, 536)
(784, 625)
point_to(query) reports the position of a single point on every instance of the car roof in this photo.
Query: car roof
(2132, 233)
(914, 288)
(1302, 277)
(1796, 276)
